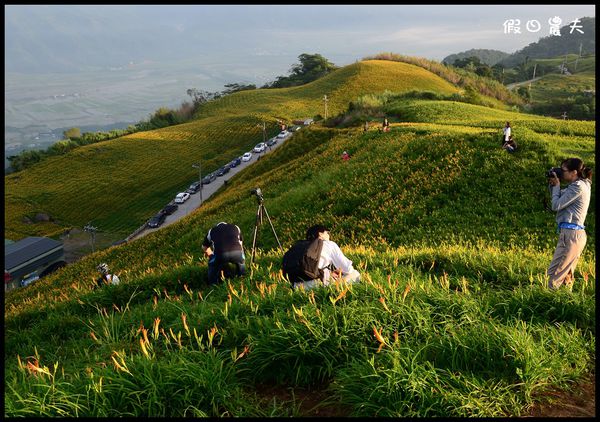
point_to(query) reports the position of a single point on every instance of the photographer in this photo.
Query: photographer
(223, 245)
(105, 278)
(571, 205)
(332, 261)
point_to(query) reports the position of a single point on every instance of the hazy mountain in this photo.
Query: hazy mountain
(489, 57)
(553, 46)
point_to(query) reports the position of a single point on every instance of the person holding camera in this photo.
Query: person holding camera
(571, 206)
(223, 245)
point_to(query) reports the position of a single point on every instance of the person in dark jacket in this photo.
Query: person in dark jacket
(223, 245)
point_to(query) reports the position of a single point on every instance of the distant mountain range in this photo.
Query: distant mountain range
(553, 46)
(546, 47)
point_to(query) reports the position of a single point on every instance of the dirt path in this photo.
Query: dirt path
(581, 402)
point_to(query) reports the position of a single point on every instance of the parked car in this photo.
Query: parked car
(283, 134)
(260, 147)
(194, 187)
(169, 209)
(247, 156)
(182, 197)
(271, 142)
(208, 178)
(235, 162)
(223, 170)
(157, 220)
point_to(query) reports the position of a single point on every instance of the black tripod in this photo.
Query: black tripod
(259, 219)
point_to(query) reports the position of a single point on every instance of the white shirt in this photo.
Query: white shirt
(113, 279)
(506, 133)
(332, 254)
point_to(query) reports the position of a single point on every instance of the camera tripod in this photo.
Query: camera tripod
(259, 218)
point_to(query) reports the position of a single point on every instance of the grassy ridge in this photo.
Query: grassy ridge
(120, 184)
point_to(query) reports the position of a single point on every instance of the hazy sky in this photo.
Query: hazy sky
(342, 33)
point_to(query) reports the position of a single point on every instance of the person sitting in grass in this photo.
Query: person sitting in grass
(332, 262)
(510, 145)
(105, 278)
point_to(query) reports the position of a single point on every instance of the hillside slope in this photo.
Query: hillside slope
(119, 184)
(451, 317)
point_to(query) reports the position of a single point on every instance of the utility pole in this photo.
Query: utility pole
(92, 231)
(199, 167)
(325, 99)
(577, 59)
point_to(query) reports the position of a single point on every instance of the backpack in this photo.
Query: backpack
(301, 261)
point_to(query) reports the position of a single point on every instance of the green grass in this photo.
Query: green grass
(448, 231)
(435, 360)
(554, 88)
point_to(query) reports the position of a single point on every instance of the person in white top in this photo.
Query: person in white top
(506, 132)
(105, 278)
(333, 262)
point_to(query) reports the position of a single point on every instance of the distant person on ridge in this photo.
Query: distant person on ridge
(345, 156)
(223, 245)
(386, 125)
(506, 133)
(366, 127)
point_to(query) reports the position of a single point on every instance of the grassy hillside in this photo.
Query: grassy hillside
(452, 316)
(560, 87)
(119, 184)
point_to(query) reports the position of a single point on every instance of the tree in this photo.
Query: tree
(524, 93)
(235, 87)
(74, 132)
(24, 159)
(310, 68)
(201, 97)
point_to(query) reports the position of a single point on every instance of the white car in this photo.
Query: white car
(283, 134)
(260, 147)
(247, 156)
(182, 197)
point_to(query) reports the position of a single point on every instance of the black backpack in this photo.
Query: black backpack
(301, 261)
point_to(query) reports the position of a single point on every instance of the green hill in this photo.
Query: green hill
(451, 317)
(121, 183)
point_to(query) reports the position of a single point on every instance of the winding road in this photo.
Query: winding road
(207, 190)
